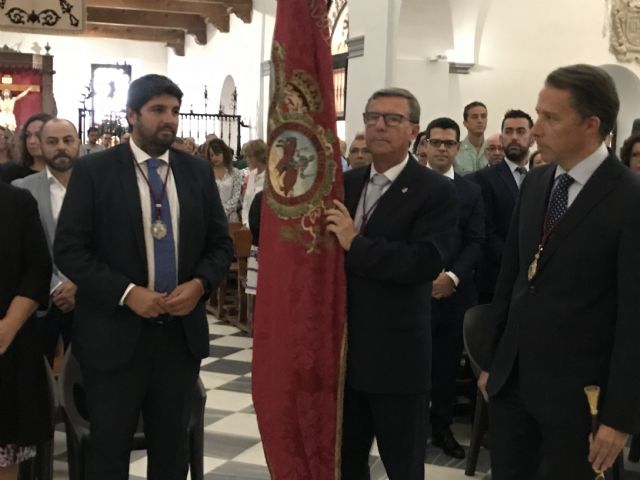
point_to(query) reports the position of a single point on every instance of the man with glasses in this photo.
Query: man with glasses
(500, 184)
(396, 224)
(471, 157)
(453, 290)
(359, 153)
(493, 150)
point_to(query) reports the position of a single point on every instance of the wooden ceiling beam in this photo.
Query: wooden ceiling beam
(243, 9)
(174, 38)
(193, 24)
(214, 13)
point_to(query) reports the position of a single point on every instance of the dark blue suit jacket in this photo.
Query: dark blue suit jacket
(390, 267)
(99, 245)
(466, 248)
(499, 194)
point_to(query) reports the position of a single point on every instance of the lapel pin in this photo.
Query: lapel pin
(404, 190)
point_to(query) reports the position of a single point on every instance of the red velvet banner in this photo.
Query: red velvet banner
(30, 104)
(299, 322)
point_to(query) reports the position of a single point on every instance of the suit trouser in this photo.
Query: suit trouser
(399, 424)
(159, 381)
(446, 330)
(53, 325)
(524, 447)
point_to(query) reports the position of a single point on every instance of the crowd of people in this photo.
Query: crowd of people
(431, 225)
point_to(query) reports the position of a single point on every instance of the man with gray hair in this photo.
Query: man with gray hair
(396, 224)
(565, 310)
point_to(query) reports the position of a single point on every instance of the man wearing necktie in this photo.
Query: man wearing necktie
(565, 311)
(500, 185)
(396, 225)
(454, 289)
(143, 235)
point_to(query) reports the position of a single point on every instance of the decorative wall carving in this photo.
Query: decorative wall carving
(43, 15)
(625, 30)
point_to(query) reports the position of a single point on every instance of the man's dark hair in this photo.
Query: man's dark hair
(444, 123)
(92, 130)
(592, 93)
(145, 88)
(627, 147)
(25, 157)
(514, 113)
(414, 105)
(465, 112)
(417, 140)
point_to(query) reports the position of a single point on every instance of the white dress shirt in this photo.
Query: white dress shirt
(255, 183)
(145, 203)
(516, 175)
(57, 191)
(582, 172)
(391, 175)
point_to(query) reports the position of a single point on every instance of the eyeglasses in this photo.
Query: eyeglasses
(438, 143)
(390, 119)
(494, 148)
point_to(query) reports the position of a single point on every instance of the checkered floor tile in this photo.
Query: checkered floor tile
(232, 444)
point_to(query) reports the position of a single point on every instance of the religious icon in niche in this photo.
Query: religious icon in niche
(109, 95)
(7, 104)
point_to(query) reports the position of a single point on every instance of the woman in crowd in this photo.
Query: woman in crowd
(228, 178)
(630, 152)
(255, 152)
(31, 159)
(25, 271)
(535, 160)
(6, 145)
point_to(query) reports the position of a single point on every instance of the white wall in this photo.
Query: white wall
(73, 56)
(519, 43)
(239, 54)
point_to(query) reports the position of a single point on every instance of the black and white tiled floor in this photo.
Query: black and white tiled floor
(233, 450)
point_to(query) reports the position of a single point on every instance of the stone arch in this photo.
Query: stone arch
(628, 85)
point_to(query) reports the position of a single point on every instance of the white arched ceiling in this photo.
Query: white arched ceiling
(628, 85)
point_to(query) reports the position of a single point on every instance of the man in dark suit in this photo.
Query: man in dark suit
(565, 312)
(396, 227)
(60, 146)
(143, 235)
(454, 289)
(500, 185)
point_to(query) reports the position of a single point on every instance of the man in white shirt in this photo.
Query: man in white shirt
(60, 147)
(92, 145)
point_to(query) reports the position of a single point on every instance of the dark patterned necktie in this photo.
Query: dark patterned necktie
(559, 200)
(164, 249)
(522, 172)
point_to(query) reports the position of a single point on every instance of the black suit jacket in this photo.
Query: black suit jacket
(390, 267)
(466, 247)
(499, 194)
(100, 246)
(25, 270)
(578, 322)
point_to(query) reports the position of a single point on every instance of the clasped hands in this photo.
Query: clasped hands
(181, 301)
(340, 223)
(604, 447)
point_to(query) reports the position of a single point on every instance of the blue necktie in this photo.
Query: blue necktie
(559, 200)
(164, 249)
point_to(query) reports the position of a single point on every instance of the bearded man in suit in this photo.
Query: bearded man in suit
(143, 234)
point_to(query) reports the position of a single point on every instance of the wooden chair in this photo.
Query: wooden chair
(242, 249)
(218, 298)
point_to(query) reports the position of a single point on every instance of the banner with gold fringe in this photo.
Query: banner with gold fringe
(299, 322)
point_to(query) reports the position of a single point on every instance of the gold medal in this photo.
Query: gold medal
(533, 267)
(158, 229)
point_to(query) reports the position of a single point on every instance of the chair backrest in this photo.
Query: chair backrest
(475, 333)
(72, 391)
(241, 242)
